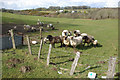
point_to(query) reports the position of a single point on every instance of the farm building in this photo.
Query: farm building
(60, 11)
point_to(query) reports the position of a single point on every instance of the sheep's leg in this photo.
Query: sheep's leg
(61, 45)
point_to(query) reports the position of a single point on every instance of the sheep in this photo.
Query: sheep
(66, 41)
(45, 40)
(27, 27)
(51, 26)
(75, 41)
(77, 33)
(40, 23)
(65, 37)
(65, 33)
(53, 40)
(88, 39)
(33, 29)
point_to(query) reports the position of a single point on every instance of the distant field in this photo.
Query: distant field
(105, 31)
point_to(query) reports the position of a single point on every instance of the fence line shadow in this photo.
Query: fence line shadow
(62, 62)
(88, 69)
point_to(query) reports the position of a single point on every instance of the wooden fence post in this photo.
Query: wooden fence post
(48, 57)
(13, 40)
(29, 47)
(75, 63)
(40, 49)
(111, 67)
(40, 44)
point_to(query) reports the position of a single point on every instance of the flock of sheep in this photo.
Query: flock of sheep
(67, 39)
(34, 28)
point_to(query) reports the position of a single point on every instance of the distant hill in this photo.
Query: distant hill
(91, 13)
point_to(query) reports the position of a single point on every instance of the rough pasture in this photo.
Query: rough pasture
(105, 31)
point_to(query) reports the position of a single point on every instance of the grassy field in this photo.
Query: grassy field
(105, 31)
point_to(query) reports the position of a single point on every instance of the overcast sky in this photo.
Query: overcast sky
(31, 4)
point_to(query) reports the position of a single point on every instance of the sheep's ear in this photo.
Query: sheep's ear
(74, 31)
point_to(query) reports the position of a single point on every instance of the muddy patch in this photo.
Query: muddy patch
(15, 61)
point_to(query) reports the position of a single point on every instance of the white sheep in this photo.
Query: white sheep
(84, 34)
(77, 33)
(65, 33)
(66, 40)
(50, 25)
(40, 23)
(33, 28)
(26, 27)
(75, 41)
(45, 40)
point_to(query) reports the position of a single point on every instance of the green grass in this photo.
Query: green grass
(105, 31)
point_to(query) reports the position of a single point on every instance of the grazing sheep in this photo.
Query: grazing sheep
(51, 26)
(75, 41)
(66, 41)
(33, 29)
(77, 33)
(40, 23)
(53, 40)
(65, 33)
(88, 39)
(45, 40)
(27, 27)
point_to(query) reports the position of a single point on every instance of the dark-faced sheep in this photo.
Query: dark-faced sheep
(27, 27)
(40, 23)
(51, 26)
(65, 33)
(88, 39)
(66, 41)
(53, 40)
(77, 33)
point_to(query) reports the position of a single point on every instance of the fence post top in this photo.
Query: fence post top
(78, 53)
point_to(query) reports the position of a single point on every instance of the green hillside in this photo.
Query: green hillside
(105, 31)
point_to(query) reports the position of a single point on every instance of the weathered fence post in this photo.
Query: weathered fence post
(13, 40)
(29, 47)
(75, 63)
(40, 44)
(111, 67)
(48, 57)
